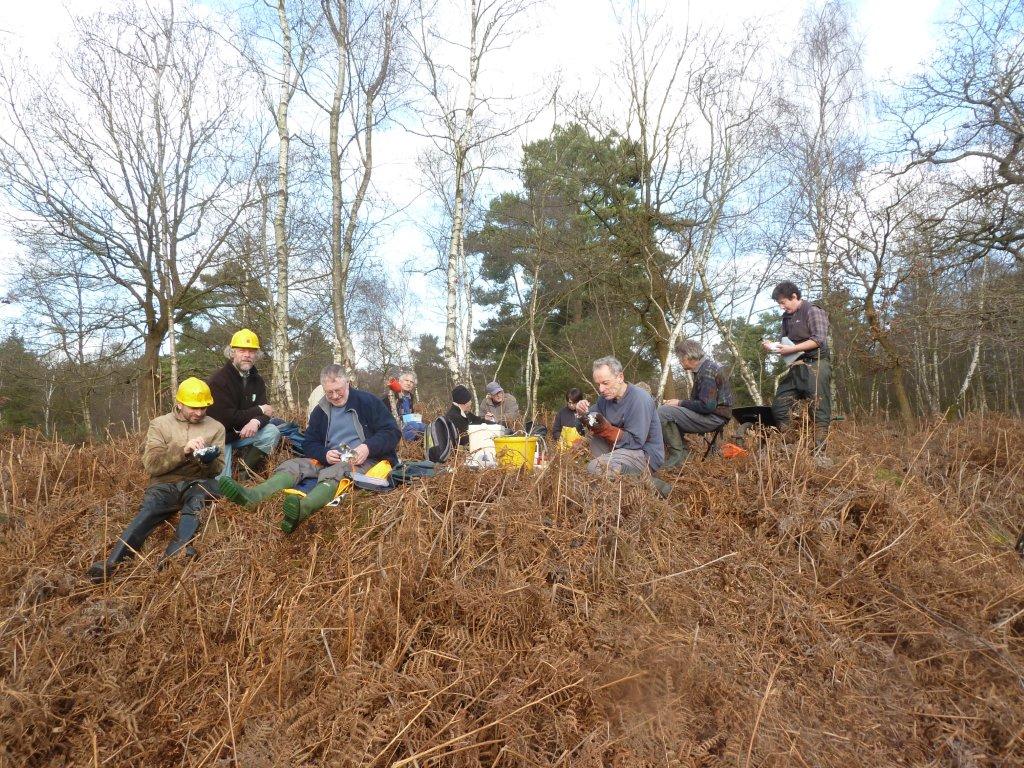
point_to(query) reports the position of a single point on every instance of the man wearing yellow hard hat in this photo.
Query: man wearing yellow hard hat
(183, 455)
(240, 403)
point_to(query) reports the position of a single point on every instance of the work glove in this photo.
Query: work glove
(600, 426)
(394, 386)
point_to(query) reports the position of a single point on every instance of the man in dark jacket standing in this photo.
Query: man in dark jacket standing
(809, 377)
(349, 430)
(240, 403)
(709, 406)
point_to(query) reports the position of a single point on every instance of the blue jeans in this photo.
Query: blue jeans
(292, 434)
(265, 439)
(413, 431)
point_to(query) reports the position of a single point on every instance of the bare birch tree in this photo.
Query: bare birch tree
(136, 153)
(456, 127)
(366, 73)
(871, 243)
(699, 105)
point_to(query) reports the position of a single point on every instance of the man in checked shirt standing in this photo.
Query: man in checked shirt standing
(809, 377)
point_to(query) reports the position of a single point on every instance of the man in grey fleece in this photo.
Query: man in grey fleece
(625, 433)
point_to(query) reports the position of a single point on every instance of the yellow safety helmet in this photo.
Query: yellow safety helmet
(194, 393)
(245, 339)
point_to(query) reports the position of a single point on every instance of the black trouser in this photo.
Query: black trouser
(806, 380)
(159, 504)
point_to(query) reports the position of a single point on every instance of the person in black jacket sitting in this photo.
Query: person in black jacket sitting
(460, 414)
(346, 420)
(567, 417)
(240, 403)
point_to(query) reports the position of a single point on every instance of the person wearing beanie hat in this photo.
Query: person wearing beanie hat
(460, 414)
(499, 406)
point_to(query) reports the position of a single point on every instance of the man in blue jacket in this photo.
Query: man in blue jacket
(347, 420)
(709, 406)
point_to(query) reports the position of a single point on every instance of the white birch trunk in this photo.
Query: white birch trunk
(961, 395)
(344, 350)
(674, 334)
(454, 272)
(87, 418)
(461, 137)
(532, 358)
(51, 386)
(281, 374)
(172, 350)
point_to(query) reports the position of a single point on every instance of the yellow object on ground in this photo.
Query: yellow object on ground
(516, 451)
(567, 437)
(380, 470)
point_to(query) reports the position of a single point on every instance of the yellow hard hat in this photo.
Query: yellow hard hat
(194, 393)
(245, 339)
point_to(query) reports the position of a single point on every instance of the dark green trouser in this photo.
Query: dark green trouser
(805, 381)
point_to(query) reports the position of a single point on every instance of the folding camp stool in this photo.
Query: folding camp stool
(711, 440)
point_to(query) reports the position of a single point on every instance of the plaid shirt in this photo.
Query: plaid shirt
(808, 322)
(711, 391)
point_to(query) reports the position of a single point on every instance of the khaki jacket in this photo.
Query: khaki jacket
(506, 411)
(164, 456)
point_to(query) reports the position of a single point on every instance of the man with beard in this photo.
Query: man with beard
(240, 403)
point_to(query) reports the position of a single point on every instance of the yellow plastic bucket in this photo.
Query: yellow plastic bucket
(516, 451)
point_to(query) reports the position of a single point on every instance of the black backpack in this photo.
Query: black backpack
(439, 440)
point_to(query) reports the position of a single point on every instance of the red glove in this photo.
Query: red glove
(394, 386)
(603, 428)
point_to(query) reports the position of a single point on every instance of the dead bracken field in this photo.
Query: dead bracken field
(768, 613)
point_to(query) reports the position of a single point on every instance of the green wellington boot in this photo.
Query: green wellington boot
(659, 486)
(254, 459)
(675, 446)
(298, 508)
(239, 494)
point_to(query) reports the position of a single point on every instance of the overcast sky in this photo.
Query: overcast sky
(569, 37)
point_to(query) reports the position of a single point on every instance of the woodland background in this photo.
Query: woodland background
(185, 169)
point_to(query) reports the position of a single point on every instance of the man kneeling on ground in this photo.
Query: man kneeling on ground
(625, 434)
(184, 452)
(709, 406)
(346, 419)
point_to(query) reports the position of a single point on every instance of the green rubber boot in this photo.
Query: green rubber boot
(254, 459)
(675, 446)
(659, 486)
(239, 494)
(297, 509)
